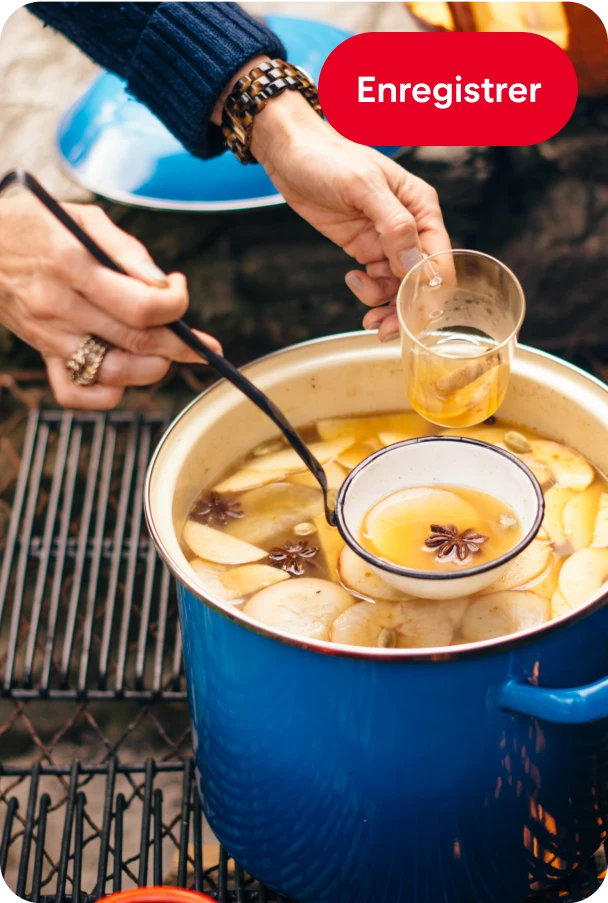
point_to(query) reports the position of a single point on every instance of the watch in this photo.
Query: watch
(251, 94)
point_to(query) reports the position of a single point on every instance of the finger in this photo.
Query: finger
(372, 292)
(121, 369)
(69, 395)
(374, 318)
(389, 328)
(79, 316)
(123, 248)
(395, 225)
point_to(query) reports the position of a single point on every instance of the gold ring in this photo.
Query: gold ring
(86, 361)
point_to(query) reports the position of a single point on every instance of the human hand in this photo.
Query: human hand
(53, 293)
(370, 206)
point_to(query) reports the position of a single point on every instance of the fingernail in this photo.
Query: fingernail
(409, 258)
(149, 272)
(390, 337)
(353, 282)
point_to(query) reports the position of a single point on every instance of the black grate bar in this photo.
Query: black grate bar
(158, 837)
(63, 770)
(177, 661)
(184, 825)
(105, 830)
(140, 661)
(197, 831)
(102, 507)
(25, 538)
(62, 871)
(118, 837)
(239, 883)
(119, 533)
(47, 540)
(136, 523)
(64, 527)
(222, 878)
(45, 802)
(11, 811)
(20, 490)
(27, 832)
(83, 534)
(81, 801)
(144, 846)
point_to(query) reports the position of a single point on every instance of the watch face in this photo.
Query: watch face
(114, 146)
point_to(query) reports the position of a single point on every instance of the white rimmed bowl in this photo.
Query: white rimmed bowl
(437, 461)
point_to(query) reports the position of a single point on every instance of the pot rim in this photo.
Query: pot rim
(401, 571)
(431, 654)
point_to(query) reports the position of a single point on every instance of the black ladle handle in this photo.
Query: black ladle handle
(181, 329)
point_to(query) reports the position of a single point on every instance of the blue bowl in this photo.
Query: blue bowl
(469, 774)
(114, 146)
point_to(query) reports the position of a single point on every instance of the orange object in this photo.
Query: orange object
(159, 895)
(572, 26)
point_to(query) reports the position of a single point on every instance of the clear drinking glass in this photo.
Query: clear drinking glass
(459, 316)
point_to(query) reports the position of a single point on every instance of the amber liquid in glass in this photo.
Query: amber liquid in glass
(397, 527)
(456, 379)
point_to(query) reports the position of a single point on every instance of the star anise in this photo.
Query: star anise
(215, 509)
(292, 557)
(452, 545)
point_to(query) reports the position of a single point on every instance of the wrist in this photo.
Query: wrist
(280, 123)
(216, 117)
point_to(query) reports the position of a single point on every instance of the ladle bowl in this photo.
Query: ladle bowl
(436, 461)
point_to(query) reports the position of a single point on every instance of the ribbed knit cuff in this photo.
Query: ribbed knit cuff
(184, 58)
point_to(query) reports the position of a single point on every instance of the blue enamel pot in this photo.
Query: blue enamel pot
(466, 774)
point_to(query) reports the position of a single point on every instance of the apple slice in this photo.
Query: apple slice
(493, 435)
(331, 543)
(410, 624)
(528, 565)
(501, 614)
(242, 581)
(335, 473)
(272, 510)
(357, 453)
(305, 606)
(214, 545)
(582, 575)
(570, 470)
(358, 578)
(361, 429)
(289, 461)
(600, 530)
(247, 478)
(579, 516)
(556, 500)
(208, 577)
(559, 606)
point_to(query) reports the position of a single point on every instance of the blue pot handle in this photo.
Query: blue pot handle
(576, 706)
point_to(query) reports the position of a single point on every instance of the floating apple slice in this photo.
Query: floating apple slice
(357, 453)
(582, 575)
(546, 583)
(208, 577)
(528, 565)
(415, 623)
(579, 516)
(214, 545)
(288, 461)
(305, 606)
(493, 435)
(358, 578)
(559, 605)
(500, 614)
(272, 510)
(569, 469)
(361, 429)
(556, 500)
(242, 581)
(335, 473)
(247, 478)
(600, 530)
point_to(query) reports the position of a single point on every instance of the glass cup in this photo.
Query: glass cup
(459, 316)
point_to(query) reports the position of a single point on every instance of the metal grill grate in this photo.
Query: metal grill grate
(72, 625)
(88, 615)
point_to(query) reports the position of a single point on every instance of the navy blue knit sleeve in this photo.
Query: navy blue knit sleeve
(175, 57)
